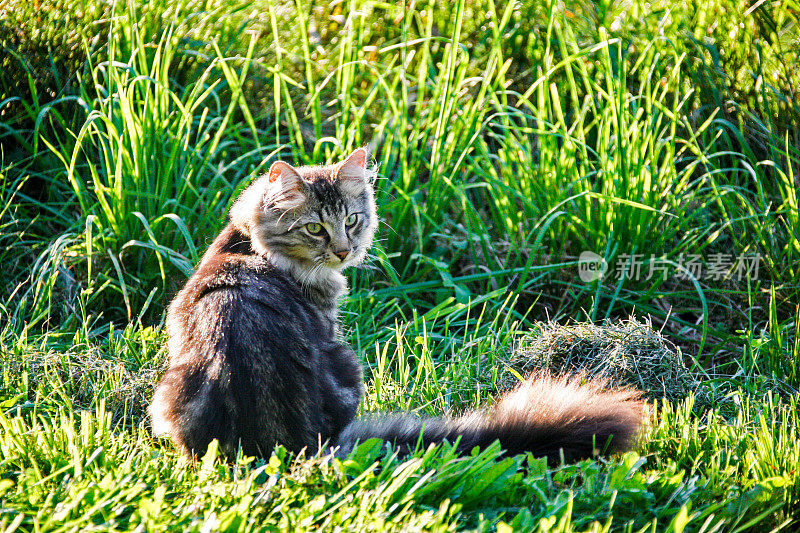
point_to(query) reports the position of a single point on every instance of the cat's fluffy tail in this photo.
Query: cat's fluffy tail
(545, 415)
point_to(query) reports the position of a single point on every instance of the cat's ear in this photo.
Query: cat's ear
(352, 172)
(285, 186)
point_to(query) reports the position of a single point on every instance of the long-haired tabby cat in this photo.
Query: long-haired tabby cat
(255, 357)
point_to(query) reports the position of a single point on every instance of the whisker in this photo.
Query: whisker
(291, 227)
(365, 266)
(388, 227)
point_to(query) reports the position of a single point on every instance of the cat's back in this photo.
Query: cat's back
(236, 327)
(237, 293)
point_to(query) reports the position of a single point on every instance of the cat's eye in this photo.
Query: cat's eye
(351, 220)
(315, 228)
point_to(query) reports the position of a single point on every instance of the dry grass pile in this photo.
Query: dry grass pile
(83, 375)
(628, 352)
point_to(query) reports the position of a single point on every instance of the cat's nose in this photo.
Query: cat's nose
(342, 254)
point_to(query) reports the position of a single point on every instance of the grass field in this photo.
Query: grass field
(510, 138)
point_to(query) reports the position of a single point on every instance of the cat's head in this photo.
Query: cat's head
(311, 217)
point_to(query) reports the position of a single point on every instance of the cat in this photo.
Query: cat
(256, 358)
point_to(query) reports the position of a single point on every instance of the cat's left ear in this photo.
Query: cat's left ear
(285, 186)
(352, 172)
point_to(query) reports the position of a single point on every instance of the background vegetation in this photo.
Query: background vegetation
(509, 137)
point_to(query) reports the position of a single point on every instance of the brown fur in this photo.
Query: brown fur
(548, 416)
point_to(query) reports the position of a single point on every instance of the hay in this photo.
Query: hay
(628, 352)
(86, 374)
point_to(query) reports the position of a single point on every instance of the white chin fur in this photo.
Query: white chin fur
(325, 276)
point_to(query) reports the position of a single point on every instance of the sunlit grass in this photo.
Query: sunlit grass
(75, 462)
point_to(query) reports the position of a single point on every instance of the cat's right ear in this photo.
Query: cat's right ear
(352, 172)
(285, 186)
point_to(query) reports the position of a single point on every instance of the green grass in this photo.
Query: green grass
(73, 461)
(510, 138)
